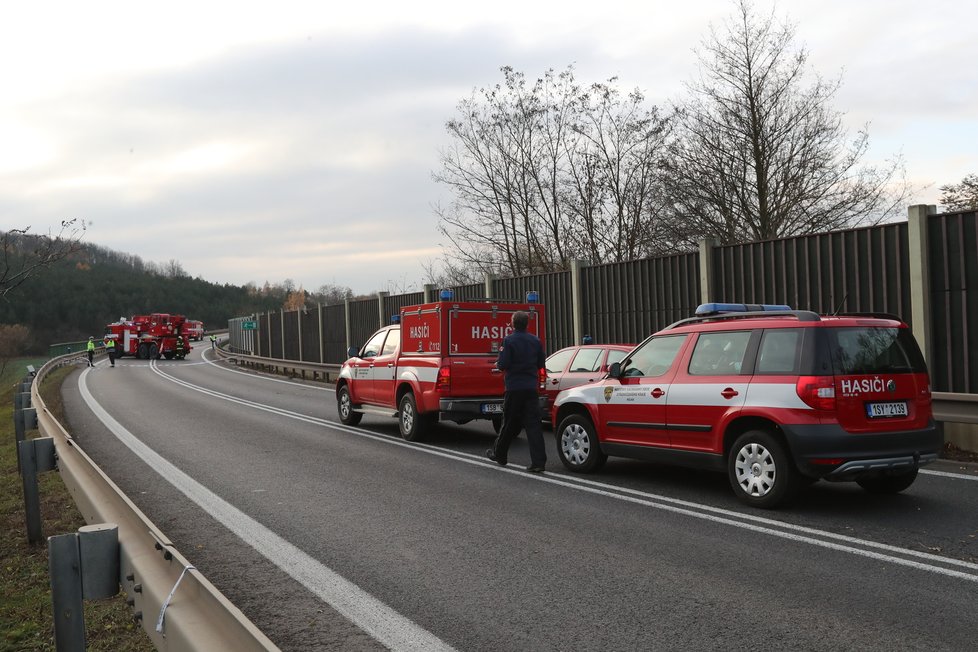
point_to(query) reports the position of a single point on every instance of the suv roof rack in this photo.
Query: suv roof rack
(800, 315)
(878, 315)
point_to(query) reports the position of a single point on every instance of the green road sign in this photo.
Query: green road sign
(249, 325)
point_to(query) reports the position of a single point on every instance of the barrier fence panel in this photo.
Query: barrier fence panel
(364, 320)
(334, 333)
(953, 254)
(858, 270)
(309, 329)
(555, 295)
(626, 302)
(290, 322)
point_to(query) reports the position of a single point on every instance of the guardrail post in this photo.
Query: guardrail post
(64, 566)
(35, 456)
(98, 547)
(24, 419)
(22, 400)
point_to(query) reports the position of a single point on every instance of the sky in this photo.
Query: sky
(288, 140)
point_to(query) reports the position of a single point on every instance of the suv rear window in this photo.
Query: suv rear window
(862, 350)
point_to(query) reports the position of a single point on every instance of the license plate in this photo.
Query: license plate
(492, 408)
(878, 410)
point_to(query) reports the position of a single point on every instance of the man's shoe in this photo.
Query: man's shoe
(535, 469)
(492, 455)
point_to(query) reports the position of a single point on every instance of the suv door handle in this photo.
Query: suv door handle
(658, 393)
(729, 392)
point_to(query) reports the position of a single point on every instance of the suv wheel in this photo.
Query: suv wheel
(344, 405)
(888, 484)
(760, 471)
(577, 445)
(413, 425)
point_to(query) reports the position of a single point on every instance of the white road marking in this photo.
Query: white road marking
(758, 524)
(370, 614)
(948, 474)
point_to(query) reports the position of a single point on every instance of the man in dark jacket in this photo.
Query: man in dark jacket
(521, 358)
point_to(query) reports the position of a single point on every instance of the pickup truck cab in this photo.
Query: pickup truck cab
(437, 362)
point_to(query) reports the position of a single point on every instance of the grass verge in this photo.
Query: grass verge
(26, 620)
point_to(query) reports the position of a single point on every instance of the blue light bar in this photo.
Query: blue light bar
(705, 309)
(446, 295)
(533, 296)
(395, 319)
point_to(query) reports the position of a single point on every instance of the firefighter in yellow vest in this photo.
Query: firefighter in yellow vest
(110, 349)
(91, 351)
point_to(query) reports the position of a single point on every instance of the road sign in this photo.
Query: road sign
(249, 325)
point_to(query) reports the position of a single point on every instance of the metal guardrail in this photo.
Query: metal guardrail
(329, 372)
(955, 408)
(198, 617)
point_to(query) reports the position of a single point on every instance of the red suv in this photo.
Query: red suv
(776, 397)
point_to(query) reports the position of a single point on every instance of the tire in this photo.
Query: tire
(344, 406)
(154, 352)
(142, 352)
(577, 445)
(760, 470)
(888, 484)
(168, 355)
(413, 426)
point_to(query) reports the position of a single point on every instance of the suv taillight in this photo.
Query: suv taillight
(817, 391)
(444, 382)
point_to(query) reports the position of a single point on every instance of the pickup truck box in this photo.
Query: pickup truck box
(436, 362)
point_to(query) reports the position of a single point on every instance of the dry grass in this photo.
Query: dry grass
(26, 621)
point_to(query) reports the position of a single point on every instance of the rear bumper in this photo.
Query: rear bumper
(466, 409)
(816, 449)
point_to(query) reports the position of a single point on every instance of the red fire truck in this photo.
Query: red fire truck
(437, 362)
(150, 337)
(194, 329)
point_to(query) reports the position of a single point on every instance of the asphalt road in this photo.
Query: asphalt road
(331, 537)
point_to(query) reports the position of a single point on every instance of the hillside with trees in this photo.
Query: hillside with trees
(74, 296)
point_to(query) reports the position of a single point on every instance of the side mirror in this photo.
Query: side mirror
(352, 352)
(615, 370)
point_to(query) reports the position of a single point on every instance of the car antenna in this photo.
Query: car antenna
(841, 304)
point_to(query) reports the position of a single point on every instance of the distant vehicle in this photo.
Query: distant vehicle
(776, 397)
(579, 365)
(150, 337)
(438, 362)
(194, 329)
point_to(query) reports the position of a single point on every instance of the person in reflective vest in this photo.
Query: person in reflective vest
(213, 341)
(91, 351)
(110, 349)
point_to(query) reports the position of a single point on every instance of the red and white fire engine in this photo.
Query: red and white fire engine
(194, 329)
(150, 337)
(437, 362)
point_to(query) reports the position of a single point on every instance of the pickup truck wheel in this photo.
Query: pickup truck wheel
(413, 425)
(888, 484)
(760, 470)
(577, 445)
(344, 405)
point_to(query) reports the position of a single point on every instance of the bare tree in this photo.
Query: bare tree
(548, 171)
(330, 294)
(961, 196)
(614, 183)
(24, 254)
(760, 153)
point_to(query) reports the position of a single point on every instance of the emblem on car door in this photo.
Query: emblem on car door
(608, 391)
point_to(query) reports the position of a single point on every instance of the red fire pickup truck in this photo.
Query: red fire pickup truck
(437, 362)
